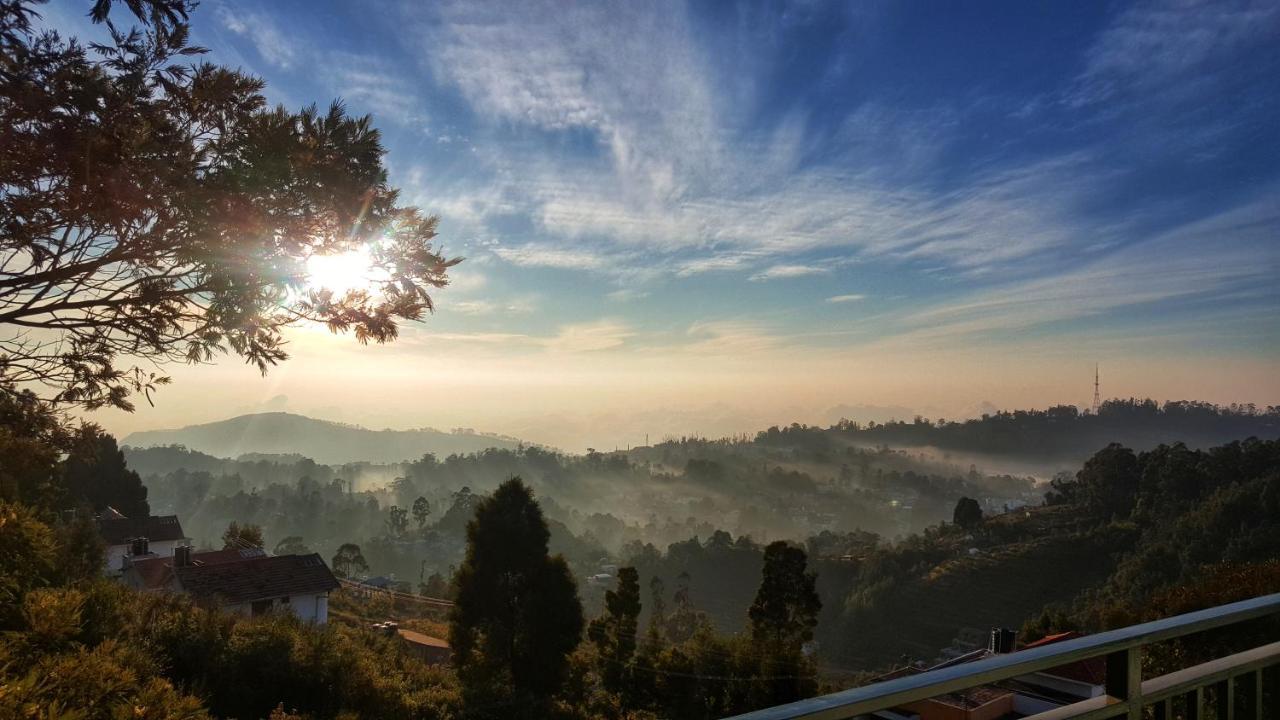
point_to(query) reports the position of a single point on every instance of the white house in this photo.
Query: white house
(253, 586)
(154, 573)
(155, 536)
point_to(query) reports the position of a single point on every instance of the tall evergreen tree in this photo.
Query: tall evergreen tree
(96, 474)
(782, 618)
(614, 632)
(786, 607)
(517, 616)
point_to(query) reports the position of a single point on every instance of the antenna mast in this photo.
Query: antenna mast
(1097, 397)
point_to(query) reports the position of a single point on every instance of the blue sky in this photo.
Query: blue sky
(1013, 190)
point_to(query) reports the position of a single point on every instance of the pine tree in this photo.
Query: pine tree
(614, 633)
(786, 607)
(95, 473)
(517, 616)
(783, 617)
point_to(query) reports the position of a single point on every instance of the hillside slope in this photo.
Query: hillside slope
(321, 440)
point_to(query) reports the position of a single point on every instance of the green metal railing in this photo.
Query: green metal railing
(1126, 695)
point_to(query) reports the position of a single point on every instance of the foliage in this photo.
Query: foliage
(517, 616)
(28, 561)
(241, 537)
(349, 560)
(1064, 432)
(968, 513)
(101, 650)
(614, 634)
(158, 208)
(397, 521)
(421, 510)
(96, 474)
(32, 437)
(785, 610)
(292, 545)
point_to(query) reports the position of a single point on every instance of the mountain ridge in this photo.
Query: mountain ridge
(325, 441)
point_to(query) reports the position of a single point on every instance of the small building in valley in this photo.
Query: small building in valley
(432, 650)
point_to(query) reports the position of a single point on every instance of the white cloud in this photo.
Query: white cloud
(259, 29)
(590, 337)
(714, 263)
(732, 338)
(1169, 48)
(846, 298)
(543, 255)
(677, 175)
(520, 306)
(1179, 266)
(627, 295)
(372, 85)
(778, 272)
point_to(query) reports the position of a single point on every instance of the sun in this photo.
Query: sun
(344, 272)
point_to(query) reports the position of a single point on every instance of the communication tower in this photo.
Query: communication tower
(1097, 396)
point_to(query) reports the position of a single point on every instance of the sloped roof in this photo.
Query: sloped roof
(155, 572)
(418, 638)
(1050, 639)
(257, 578)
(1092, 671)
(157, 528)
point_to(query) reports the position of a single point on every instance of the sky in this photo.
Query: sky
(717, 216)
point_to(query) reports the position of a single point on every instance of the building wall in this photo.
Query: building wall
(114, 565)
(312, 608)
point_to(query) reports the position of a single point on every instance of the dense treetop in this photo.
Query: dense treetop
(155, 207)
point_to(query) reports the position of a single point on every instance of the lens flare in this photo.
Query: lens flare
(344, 272)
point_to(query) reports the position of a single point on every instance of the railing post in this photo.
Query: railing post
(1124, 679)
(1195, 704)
(1255, 698)
(1226, 699)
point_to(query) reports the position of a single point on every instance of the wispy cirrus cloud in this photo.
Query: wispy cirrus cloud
(546, 255)
(727, 337)
(840, 299)
(590, 337)
(691, 179)
(1172, 49)
(780, 272)
(1181, 265)
(261, 30)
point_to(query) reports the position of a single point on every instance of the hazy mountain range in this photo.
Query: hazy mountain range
(327, 442)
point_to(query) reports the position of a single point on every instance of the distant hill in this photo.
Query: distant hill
(332, 443)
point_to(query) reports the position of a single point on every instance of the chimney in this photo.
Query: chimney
(139, 546)
(1002, 640)
(182, 556)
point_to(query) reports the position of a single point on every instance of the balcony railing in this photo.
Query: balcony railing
(1126, 693)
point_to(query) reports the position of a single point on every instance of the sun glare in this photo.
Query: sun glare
(352, 270)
